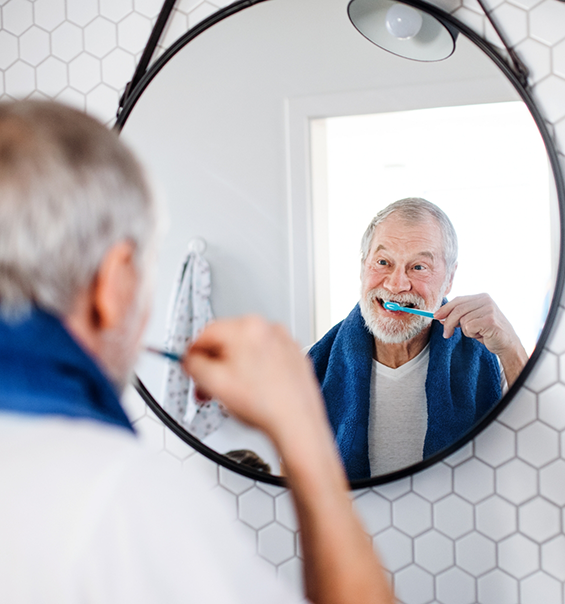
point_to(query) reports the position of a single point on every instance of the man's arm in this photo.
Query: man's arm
(259, 373)
(480, 318)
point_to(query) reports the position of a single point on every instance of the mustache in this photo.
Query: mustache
(407, 299)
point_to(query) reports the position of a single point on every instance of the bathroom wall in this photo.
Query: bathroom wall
(486, 525)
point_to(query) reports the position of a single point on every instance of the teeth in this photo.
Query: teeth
(405, 304)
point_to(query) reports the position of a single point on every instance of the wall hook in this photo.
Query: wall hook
(197, 245)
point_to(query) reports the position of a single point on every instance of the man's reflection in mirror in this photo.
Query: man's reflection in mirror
(400, 387)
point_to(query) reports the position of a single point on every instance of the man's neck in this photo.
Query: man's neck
(395, 355)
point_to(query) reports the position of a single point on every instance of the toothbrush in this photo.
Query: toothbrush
(412, 311)
(164, 353)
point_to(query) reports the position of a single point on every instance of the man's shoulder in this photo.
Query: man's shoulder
(79, 448)
(93, 504)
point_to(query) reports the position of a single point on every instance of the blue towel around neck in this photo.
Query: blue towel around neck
(462, 384)
(44, 371)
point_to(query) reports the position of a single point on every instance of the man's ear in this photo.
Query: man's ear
(115, 285)
(450, 281)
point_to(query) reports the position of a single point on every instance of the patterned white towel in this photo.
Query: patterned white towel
(189, 312)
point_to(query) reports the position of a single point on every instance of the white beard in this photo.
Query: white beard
(120, 346)
(393, 330)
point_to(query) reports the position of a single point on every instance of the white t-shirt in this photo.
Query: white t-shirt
(398, 423)
(87, 515)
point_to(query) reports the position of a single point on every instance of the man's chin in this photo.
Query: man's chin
(393, 330)
(395, 337)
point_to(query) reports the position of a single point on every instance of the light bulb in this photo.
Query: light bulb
(403, 22)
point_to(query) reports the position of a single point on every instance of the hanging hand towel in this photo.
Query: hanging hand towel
(190, 311)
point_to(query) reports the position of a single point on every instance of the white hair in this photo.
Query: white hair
(413, 210)
(69, 191)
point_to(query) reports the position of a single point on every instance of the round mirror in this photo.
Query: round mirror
(276, 135)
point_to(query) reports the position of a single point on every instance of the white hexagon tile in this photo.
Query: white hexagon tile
(486, 525)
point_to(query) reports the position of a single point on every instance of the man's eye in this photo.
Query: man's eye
(419, 267)
(382, 262)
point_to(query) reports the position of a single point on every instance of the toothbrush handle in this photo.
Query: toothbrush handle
(164, 353)
(417, 311)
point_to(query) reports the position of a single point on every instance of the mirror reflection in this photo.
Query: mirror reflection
(244, 130)
(408, 372)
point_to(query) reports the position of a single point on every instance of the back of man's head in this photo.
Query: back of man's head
(69, 190)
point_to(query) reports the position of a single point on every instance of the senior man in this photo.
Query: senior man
(85, 514)
(400, 387)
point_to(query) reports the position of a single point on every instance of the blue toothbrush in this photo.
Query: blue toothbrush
(165, 353)
(412, 311)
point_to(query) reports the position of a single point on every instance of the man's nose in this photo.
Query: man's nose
(397, 281)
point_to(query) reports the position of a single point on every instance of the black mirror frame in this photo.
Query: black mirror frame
(525, 94)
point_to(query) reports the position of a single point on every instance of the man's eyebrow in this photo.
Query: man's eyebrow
(427, 254)
(424, 253)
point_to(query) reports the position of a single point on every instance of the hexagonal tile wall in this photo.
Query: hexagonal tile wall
(497, 588)
(434, 552)
(48, 14)
(285, 512)
(476, 554)
(539, 519)
(374, 510)
(453, 516)
(412, 514)
(100, 37)
(414, 585)
(518, 556)
(66, 41)
(496, 518)
(291, 573)
(516, 481)
(538, 444)
(256, 508)
(553, 557)
(540, 588)
(552, 485)
(521, 412)
(474, 480)
(276, 543)
(395, 548)
(435, 483)
(8, 49)
(34, 45)
(496, 445)
(17, 16)
(52, 76)
(485, 525)
(133, 33)
(455, 586)
(236, 483)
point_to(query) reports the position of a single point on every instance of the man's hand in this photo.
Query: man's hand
(481, 319)
(261, 376)
(257, 371)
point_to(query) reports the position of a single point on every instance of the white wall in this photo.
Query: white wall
(484, 526)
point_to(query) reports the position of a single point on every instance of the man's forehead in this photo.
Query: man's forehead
(424, 234)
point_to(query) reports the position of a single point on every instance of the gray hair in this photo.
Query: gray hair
(69, 191)
(415, 209)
